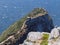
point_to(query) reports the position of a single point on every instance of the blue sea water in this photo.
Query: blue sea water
(13, 10)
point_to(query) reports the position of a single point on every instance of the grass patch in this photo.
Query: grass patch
(12, 29)
(45, 39)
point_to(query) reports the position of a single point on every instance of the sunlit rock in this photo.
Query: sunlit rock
(54, 33)
(54, 38)
(33, 36)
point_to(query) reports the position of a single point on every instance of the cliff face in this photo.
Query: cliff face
(41, 23)
(37, 21)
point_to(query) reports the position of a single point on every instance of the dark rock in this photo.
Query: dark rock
(38, 24)
(41, 24)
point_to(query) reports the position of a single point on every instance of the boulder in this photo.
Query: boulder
(34, 38)
(54, 33)
(54, 38)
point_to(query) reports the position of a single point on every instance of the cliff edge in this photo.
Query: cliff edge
(36, 21)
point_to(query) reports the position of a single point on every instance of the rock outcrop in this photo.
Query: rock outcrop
(41, 22)
(54, 38)
(37, 21)
(35, 38)
(43, 38)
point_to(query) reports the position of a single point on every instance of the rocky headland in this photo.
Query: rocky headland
(36, 28)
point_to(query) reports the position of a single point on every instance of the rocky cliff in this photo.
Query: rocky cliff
(40, 38)
(41, 23)
(36, 21)
(43, 38)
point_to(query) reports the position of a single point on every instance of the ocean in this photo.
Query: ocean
(13, 10)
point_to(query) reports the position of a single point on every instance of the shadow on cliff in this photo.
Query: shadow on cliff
(39, 24)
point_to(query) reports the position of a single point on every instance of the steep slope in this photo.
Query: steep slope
(21, 28)
(43, 38)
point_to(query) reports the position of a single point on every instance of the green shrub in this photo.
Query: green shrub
(45, 39)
